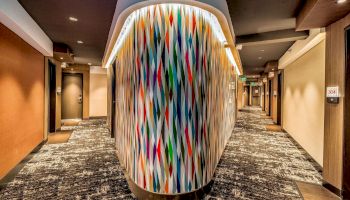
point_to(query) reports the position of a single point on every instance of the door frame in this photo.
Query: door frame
(346, 118)
(82, 91)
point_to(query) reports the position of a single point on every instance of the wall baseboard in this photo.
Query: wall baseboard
(98, 117)
(333, 189)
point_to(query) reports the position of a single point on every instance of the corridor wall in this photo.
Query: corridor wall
(98, 94)
(303, 101)
(21, 99)
(175, 99)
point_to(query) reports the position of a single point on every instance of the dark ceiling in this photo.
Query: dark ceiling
(94, 21)
(256, 20)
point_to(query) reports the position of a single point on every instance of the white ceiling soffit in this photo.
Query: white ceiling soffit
(300, 47)
(124, 4)
(14, 17)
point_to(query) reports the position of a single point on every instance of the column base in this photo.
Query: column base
(143, 194)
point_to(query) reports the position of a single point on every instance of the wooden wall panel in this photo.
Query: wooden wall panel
(267, 99)
(274, 97)
(22, 85)
(58, 96)
(335, 70)
(240, 90)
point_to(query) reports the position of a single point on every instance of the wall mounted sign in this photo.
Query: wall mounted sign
(332, 94)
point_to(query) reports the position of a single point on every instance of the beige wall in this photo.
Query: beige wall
(22, 85)
(98, 95)
(303, 101)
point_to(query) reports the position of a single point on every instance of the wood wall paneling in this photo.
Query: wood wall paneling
(240, 90)
(22, 86)
(335, 70)
(58, 96)
(274, 97)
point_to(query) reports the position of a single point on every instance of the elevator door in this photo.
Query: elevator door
(72, 96)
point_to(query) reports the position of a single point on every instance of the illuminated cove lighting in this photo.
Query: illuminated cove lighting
(211, 18)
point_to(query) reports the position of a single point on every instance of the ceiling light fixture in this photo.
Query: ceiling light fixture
(341, 1)
(80, 42)
(73, 19)
(262, 50)
(89, 63)
(61, 58)
(259, 58)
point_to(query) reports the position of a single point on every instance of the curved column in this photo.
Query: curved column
(176, 98)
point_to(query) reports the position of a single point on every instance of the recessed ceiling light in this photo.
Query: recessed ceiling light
(73, 19)
(259, 58)
(273, 69)
(61, 58)
(80, 42)
(89, 63)
(341, 1)
(262, 50)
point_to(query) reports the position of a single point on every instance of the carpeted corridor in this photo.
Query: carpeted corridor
(256, 164)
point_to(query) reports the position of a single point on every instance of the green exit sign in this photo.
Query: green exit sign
(243, 78)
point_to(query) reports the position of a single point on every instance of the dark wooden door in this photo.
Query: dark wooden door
(346, 159)
(52, 106)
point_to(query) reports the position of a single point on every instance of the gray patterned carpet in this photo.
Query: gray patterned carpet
(256, 164)
(259, 164)
(84, 168)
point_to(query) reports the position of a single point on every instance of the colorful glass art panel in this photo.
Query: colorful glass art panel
(176, 99)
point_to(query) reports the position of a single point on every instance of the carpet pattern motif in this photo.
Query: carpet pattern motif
(261, 164)
(84, 168)
(256, 164)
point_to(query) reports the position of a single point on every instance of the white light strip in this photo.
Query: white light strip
(209, 17)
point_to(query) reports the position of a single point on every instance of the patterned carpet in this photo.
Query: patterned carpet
(256, 164)
(259, 164)
(84, 168)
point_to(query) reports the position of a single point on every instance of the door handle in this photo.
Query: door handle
(80, 99)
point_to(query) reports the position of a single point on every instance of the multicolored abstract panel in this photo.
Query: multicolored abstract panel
(176, 106)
